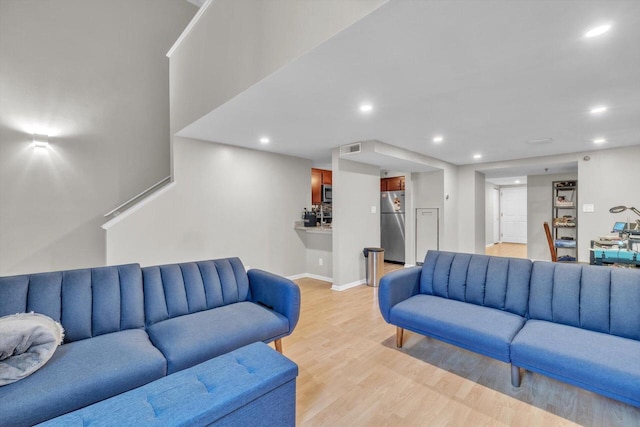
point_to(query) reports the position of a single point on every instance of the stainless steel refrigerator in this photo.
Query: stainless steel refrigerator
(392, 225)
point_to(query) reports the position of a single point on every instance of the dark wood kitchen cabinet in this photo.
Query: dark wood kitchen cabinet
(395, 183)
(327, 177)
(319, 177)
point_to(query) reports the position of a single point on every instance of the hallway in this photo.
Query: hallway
(513, 250)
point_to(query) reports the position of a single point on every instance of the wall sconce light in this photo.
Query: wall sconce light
(40, 141)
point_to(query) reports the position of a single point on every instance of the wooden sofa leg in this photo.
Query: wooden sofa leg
(278, 344)
(399, 336)
(515, 376)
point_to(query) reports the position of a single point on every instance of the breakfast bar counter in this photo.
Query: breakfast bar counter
(320, 229)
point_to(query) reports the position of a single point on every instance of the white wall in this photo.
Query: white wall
(449, 241)
(93, 75)
(471, 210)
(239, 42)
(227, 201)
(609, 178)
(480, 214)
(356, 188)
(318, 246)
(233, 45)
(409, 221)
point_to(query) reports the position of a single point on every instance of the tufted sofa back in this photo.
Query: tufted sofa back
(589, 297)
(87, 302)
(176, 289)
(496, 282)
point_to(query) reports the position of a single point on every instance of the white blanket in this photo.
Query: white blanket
(27, 342)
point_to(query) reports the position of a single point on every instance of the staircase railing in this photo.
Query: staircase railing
(138, 197)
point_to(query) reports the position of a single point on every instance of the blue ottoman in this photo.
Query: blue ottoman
(253, 385)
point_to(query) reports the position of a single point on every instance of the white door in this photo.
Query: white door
(513, 214)
(426, 231)
(496, 215)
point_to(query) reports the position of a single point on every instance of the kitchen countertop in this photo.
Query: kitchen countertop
(323, 229)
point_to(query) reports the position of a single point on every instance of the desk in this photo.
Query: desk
(612, 255)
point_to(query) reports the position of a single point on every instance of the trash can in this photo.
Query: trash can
(374, 259)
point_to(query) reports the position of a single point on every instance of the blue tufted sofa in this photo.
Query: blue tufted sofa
(576, 323)
(583, 328)
(195, 311)
(126, 327)
(475, 302)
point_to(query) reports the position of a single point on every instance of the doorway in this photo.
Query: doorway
(511, 250)
(506, 216)
(496, 215)
(513, 215)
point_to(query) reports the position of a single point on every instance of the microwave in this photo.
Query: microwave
(325, 192)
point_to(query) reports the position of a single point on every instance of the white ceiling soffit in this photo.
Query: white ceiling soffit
(388, 157)
(486, 75)
(537, 168)
(513, 180)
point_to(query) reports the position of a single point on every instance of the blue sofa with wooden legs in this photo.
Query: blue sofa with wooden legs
(583, 328)
(576, 323)
(476, 302)
(127, 326)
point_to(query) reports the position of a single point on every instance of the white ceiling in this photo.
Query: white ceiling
(487, 75)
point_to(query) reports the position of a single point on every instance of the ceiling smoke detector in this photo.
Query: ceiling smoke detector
(539, 141)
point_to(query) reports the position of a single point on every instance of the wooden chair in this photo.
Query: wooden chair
(552, 246)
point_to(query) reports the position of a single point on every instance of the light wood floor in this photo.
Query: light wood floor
(513, 250)
(351, 374)
(390, 266)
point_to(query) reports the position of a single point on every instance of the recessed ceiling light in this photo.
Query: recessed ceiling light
(517, 181)
(264, 140)
(438, 139)
(366, 108)
(599, 30)
(599, 141)
(599, 109)
(477, 156)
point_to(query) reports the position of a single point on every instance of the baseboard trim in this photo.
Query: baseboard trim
(346, 286)
(338, 288)
(310, 276)
(318, 277)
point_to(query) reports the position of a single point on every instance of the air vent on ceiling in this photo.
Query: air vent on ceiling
(350, 148)
(539, 141)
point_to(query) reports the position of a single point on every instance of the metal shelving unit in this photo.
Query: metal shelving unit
(565, 219)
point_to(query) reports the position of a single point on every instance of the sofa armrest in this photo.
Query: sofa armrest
(277, 293)
(397, 286)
